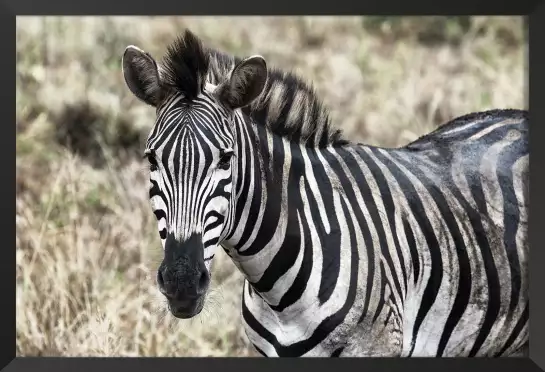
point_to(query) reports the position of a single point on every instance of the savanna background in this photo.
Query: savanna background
(87, 243)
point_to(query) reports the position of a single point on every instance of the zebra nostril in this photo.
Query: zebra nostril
(166, 288)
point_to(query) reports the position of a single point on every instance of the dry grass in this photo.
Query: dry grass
(87, 245)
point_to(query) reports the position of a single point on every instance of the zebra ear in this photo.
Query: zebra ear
(245, 84)
(141, 75)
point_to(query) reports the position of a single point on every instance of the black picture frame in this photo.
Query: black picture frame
(534, 10)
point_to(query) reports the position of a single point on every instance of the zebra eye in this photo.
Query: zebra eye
(225, 158)
(152, 163)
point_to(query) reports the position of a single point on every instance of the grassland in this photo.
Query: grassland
(87, 245)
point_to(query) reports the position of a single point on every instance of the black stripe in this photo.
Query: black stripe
(419, 212)
(219, 221)
(208, 258)
(331, 244)
(327, 240)
(164, 160)
(287, 253)
(159, 213)
(212, 241)
(390, 210)
(259, 350)
(440, 138)
(492, 288)
(323, 329)
(381, 299)
(363, 225)
(273, 209)
(511, 211)
(464, 280)
(377, 222)
(516, 331)
(300, 282)
(413, 249)
(246, 149)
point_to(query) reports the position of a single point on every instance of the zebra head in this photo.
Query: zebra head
(191, 151)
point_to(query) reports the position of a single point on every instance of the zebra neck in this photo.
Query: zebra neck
(275, 207)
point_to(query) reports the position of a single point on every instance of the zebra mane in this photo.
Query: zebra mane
(288, 106)
(185, 66)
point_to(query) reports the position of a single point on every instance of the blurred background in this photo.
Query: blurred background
(87, 242)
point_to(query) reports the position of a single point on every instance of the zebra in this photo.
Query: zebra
(346, 249)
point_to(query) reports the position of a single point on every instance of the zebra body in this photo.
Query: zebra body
(394, 251)
(347, 249)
